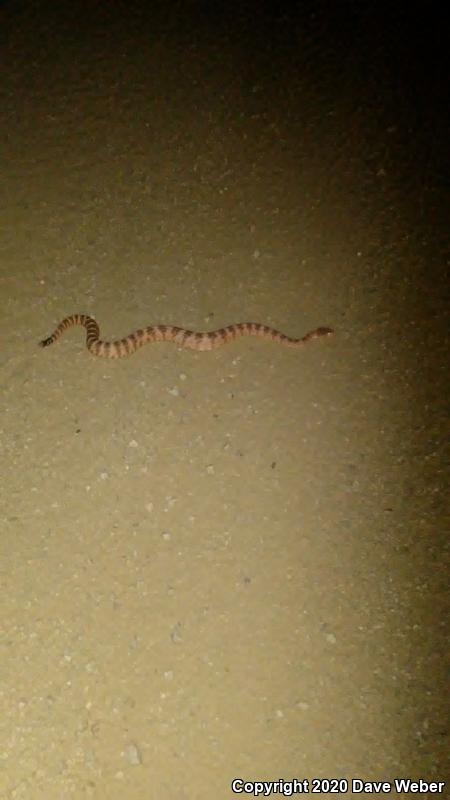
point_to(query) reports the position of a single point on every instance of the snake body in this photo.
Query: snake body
(193, 340)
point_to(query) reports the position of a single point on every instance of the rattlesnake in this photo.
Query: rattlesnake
(194, 340)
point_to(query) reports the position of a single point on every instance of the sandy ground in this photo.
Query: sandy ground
(231, 564)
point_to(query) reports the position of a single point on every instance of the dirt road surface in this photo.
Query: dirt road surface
(225, 565)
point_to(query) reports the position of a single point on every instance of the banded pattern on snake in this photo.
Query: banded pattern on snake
(193, 340)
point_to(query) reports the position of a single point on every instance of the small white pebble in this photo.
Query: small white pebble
(170, 501)
(132, 754)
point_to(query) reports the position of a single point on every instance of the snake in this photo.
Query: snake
(192, 340)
